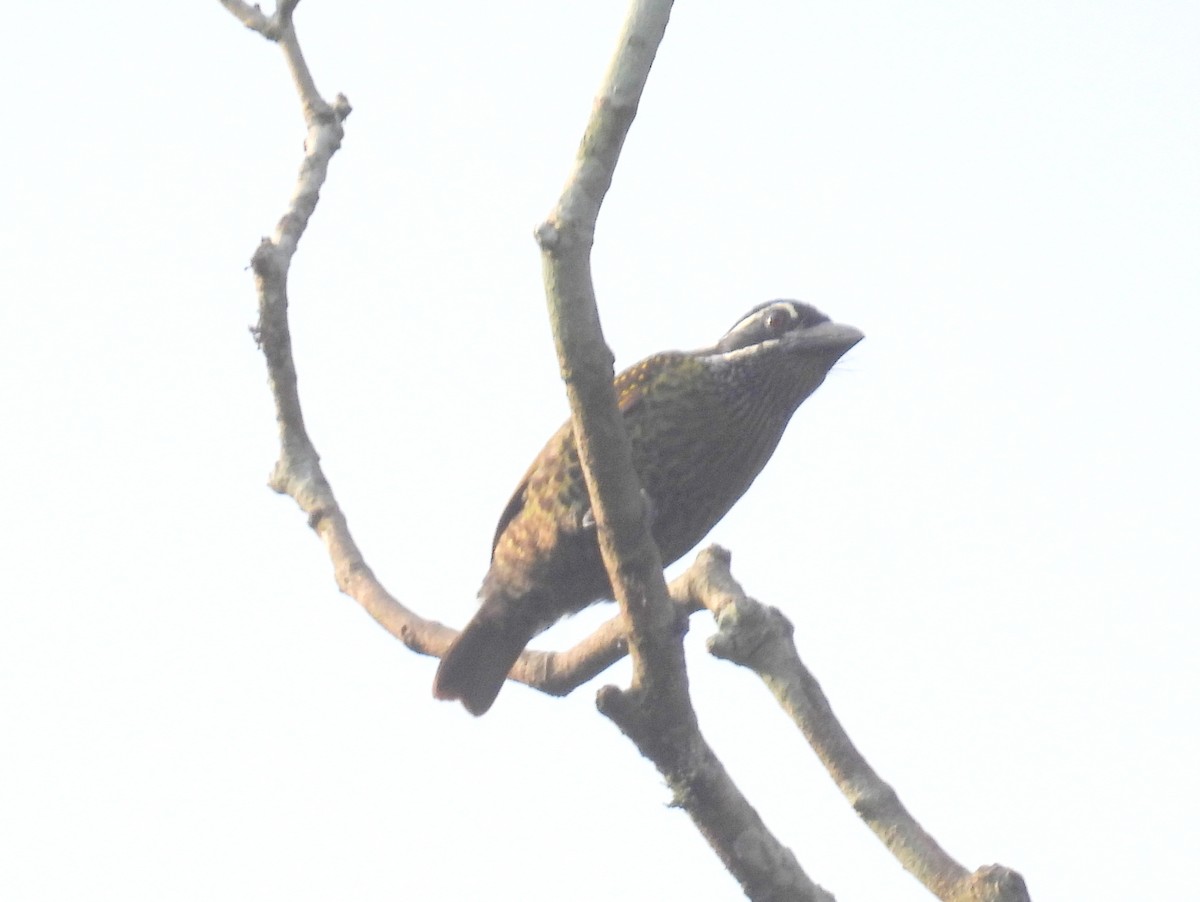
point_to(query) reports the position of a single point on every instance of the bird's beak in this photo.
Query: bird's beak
(831, 337)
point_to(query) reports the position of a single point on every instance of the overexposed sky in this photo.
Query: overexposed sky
(984, 525)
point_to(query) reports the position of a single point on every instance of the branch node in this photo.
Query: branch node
(277, 481)
(995, 883)
(547, 235)
(315, 516)
(612, 703)
(745, 628)
(719, 554)
(263, 262)
(873, 800)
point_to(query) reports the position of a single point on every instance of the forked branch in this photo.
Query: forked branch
(760, 638)
(656, 713)
(298, 471)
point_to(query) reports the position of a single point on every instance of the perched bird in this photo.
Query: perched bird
(702, 425)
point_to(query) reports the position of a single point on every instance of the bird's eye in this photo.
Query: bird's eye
(778, 319)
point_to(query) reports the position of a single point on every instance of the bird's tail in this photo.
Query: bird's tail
(475, 666)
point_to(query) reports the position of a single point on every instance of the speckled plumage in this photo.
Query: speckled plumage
(702, 425)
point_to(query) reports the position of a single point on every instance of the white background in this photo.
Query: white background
(983, 526)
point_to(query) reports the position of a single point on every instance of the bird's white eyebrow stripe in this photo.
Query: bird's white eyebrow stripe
(744, 321)
(756, 348)
(757, 314)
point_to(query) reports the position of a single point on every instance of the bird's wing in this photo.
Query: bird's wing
(633, 383)
(546, 474)
(515, 503)
(534, 480)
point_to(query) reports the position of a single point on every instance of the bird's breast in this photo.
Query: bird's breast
(697, 449)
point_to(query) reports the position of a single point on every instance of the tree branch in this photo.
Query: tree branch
(656, 711)
(760, 638)
(298, 472)
(586, 362)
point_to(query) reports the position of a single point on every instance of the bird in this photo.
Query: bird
(702, 425)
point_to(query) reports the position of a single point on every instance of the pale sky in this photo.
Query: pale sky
(983, 526)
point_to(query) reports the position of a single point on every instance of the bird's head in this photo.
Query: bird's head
(781, 348)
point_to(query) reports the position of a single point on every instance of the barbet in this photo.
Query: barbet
(702, 424)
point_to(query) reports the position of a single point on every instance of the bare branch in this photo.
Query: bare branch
(270, 27)
(656, 711)
(760, 638)
(632, 560)
(298, 471)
